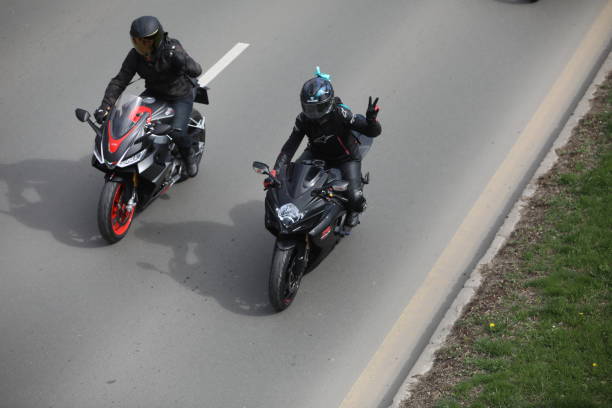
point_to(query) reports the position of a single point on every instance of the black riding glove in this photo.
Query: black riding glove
(281, 161)
(101, 113)
(372, 111)
(270, 181)
(171, 58)
(178, 60)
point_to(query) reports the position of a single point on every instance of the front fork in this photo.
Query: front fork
(130, 188)
(302, 250)
(303, 254)
(134, 186)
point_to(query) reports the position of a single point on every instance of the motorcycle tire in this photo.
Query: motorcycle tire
(285, 278)
(114, 220)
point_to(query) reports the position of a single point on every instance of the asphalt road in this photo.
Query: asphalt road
(176, 314)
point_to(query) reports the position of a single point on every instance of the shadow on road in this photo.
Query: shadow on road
(227, 262)
(58, 196)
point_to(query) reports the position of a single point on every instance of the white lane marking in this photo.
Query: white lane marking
(227, 59)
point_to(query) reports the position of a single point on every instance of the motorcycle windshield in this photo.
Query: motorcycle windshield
(128, 114)
(125, 114)
(303, 178)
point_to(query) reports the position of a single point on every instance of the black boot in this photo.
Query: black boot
(191, 165)
(352, 219)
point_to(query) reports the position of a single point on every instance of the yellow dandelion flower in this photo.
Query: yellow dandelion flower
(491, 325)
(594, 364)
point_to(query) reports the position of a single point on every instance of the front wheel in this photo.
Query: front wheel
(285, 277)
(115, 213)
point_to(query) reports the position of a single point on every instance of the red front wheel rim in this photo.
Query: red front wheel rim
(120, 217)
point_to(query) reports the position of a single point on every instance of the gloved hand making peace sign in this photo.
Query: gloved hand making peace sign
(373, 109)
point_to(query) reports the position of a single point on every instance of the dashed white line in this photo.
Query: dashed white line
(227, 59)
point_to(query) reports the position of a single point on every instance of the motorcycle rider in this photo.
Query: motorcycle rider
(169, 74)
(328, 123)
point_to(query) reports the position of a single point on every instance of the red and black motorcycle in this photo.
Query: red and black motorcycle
(140, 160)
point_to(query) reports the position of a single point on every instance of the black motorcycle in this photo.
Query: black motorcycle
(140, 160)
(305, 208)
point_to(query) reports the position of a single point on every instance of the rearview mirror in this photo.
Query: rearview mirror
(261, 168)
(339, 185)
(81, 114)
(161, 129)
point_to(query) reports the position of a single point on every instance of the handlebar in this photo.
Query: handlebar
(271, 182)
(328, 194)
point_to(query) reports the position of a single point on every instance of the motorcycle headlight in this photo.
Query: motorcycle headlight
(131, 160)
(289, 214)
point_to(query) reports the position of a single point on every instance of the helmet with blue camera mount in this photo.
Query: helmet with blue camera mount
(317, 96)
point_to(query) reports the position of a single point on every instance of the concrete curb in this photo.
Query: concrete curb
(425, 361)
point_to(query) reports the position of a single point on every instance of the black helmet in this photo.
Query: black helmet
(317, 96)
(147, 34)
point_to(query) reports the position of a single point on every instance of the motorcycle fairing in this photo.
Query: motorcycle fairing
(322, 232)
(297, 182)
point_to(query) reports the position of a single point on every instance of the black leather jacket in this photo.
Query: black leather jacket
(169, 75)
(330, 140)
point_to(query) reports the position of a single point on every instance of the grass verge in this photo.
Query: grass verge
(538, 332)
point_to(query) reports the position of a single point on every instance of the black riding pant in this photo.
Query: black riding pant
(182, 111)
(180, 122)
(351, 172)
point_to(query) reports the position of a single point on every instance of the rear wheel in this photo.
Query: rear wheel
(285, 276)
(114, 216)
